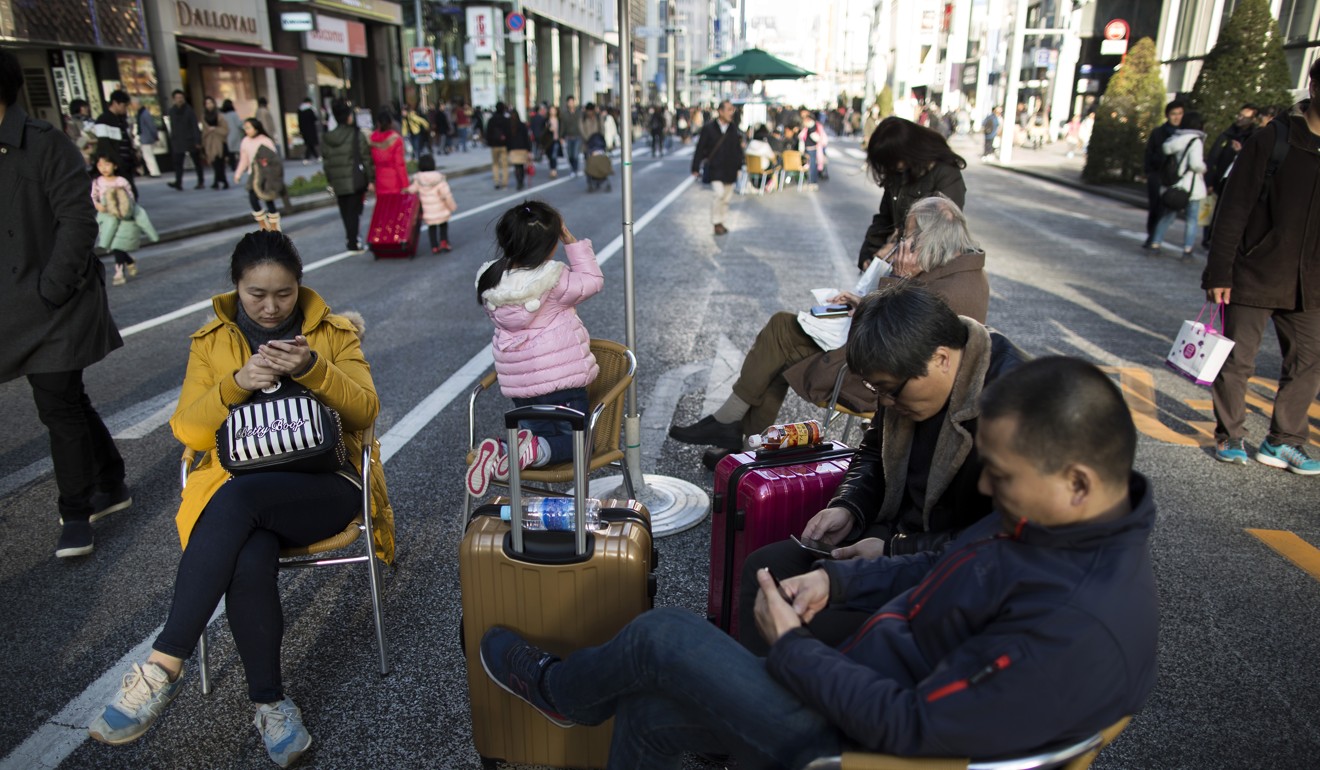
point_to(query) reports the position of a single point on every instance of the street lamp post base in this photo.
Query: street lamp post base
(675, 505)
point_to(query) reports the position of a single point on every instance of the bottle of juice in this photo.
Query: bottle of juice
(788, 435)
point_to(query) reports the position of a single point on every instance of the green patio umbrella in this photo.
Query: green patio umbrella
(753, 64)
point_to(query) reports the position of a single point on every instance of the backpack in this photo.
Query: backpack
(267, 174)
(1171, 170)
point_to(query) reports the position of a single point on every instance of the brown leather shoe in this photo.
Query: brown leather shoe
(721, 229)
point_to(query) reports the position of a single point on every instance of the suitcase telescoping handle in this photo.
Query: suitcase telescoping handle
(578, 422)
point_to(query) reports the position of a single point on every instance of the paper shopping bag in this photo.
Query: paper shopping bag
(1200, 350)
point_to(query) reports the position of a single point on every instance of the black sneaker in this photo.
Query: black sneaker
(106, 503)
(175, 185)
(356, 247)
(75, 539)
(518, 668)
(709, 432)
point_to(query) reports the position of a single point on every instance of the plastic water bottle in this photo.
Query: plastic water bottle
(553, 513)
(787, 435)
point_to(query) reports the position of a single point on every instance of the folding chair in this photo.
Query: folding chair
(604, 440)
(834, 410)
(757, 167)
(1076, 756)
(793, 165)
(296, 558)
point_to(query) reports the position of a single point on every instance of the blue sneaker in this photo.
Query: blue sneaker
(144, 693)
(282, 730)
(518, 668)
(1293, 458)
(1232, 450)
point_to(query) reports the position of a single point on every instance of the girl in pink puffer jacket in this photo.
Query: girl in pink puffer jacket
(542, 350)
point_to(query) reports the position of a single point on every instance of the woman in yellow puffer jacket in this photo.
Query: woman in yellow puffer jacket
(271, 329)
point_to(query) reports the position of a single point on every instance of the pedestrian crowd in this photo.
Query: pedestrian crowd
(981, 582)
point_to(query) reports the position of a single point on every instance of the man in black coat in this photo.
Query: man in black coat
(1173, 114)
(185, 140)
(721, 147)
(56, 320)
(309, 126)
(114, 137)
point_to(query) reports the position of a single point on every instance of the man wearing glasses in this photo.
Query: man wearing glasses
(912, 485)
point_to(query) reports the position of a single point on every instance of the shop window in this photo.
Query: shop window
(235, 83)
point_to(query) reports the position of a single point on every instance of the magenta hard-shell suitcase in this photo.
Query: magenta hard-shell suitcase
(761, 498)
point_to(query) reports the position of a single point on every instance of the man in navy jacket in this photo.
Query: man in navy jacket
(1036, 626)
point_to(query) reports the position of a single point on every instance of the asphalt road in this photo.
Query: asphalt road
(1237, 647)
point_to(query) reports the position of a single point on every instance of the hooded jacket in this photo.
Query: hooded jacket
(1191, 167)
(387, 155)
(123, 225)
(340, 378)
(1009, 640)
(1268, 252)
(437, 200)
(876, 480)
(540, 344)
(337, 158)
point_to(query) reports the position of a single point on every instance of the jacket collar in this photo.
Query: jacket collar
(966, 262)
(1137, 524)
(11, 131)
(522, 287)
(314, 309)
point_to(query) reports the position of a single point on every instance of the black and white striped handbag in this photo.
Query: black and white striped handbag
(291, 431)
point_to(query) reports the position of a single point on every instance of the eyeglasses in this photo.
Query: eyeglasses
(891, 396)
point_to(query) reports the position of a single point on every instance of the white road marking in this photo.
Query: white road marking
(659, 409)
(854, 153)
(54, 741)
(724, 369)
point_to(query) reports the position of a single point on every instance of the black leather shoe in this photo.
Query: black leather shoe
(710, 432)
(106, 503)
(711, 457)
(75, 539)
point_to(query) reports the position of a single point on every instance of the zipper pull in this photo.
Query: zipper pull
(995, 666)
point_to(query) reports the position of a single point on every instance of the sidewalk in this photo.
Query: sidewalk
(1052, 164)
(179, 214)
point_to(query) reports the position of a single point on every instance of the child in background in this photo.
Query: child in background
(437, 202)
(542, 350)
(113, 198)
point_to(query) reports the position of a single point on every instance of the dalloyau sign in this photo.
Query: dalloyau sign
(195, 17)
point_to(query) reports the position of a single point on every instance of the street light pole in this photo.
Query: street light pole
(1006, 138)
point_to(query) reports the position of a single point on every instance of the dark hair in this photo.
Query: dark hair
(1192, 121)
(426, 162)
(261, 101)
(100, 156)
(1067, 411)
(897, 329)
(384, 118)
(263, 246)
(500, 106)
(227, 106)
(918, 147)
(119, 96)
(528, 235)
(342, 110)
(179, 92)
(11, 78)
(256, 126)
(76, 106)
(1249, 106)
(1314, 73)
(1176, 104)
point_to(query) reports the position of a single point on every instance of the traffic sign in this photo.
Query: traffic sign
(648, 31)
(1113, 47)
(1116, 29)
(515, 22)
(422, 62)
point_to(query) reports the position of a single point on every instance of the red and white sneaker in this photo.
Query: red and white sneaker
(489, 453)
(529, 452)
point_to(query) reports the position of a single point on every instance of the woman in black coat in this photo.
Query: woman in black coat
(910, 162)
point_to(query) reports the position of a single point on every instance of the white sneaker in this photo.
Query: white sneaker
(282, 730)
(529, 455)
(143, 695)
(483, 466)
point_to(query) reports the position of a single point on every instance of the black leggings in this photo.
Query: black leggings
(233, 552)
(256, 203)
(785, 560)
(218, 169)
(441, 229)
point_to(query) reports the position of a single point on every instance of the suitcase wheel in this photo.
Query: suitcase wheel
(488, 764)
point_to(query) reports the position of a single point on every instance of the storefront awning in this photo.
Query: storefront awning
(240, 55)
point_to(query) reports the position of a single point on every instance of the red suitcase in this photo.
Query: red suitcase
(761, 498)
(394, 226)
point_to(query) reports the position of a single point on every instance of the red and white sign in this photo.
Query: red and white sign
(1116, 29)
(483, 22)
(338, 36)
(422, 61)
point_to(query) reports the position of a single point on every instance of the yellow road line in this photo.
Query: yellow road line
(1292, 548)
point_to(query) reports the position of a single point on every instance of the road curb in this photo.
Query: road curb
(299, 205)
(1122, 196)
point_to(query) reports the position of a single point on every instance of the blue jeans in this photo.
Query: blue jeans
(572, 146)
(674, 683)
(813, 173)
(556, 433)
(1192, 212)
(463, 134)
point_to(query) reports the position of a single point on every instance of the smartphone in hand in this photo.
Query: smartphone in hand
(829, 311)
(782, 593)
(816, 547)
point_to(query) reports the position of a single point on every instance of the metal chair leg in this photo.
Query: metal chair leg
(203, 666)
(628, 482)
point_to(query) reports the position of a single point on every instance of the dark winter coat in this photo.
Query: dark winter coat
(337, 158)
(309, 125)
(185, 136)
(873, 489)
(498, 129)
(725, 155)
(943, 178)
(1221, 154)
(114, 138)
(1009, 641)
(1155, 147)
(55, 315)
(1269, 253)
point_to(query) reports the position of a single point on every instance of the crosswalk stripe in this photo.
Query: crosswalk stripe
(1291, 547)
